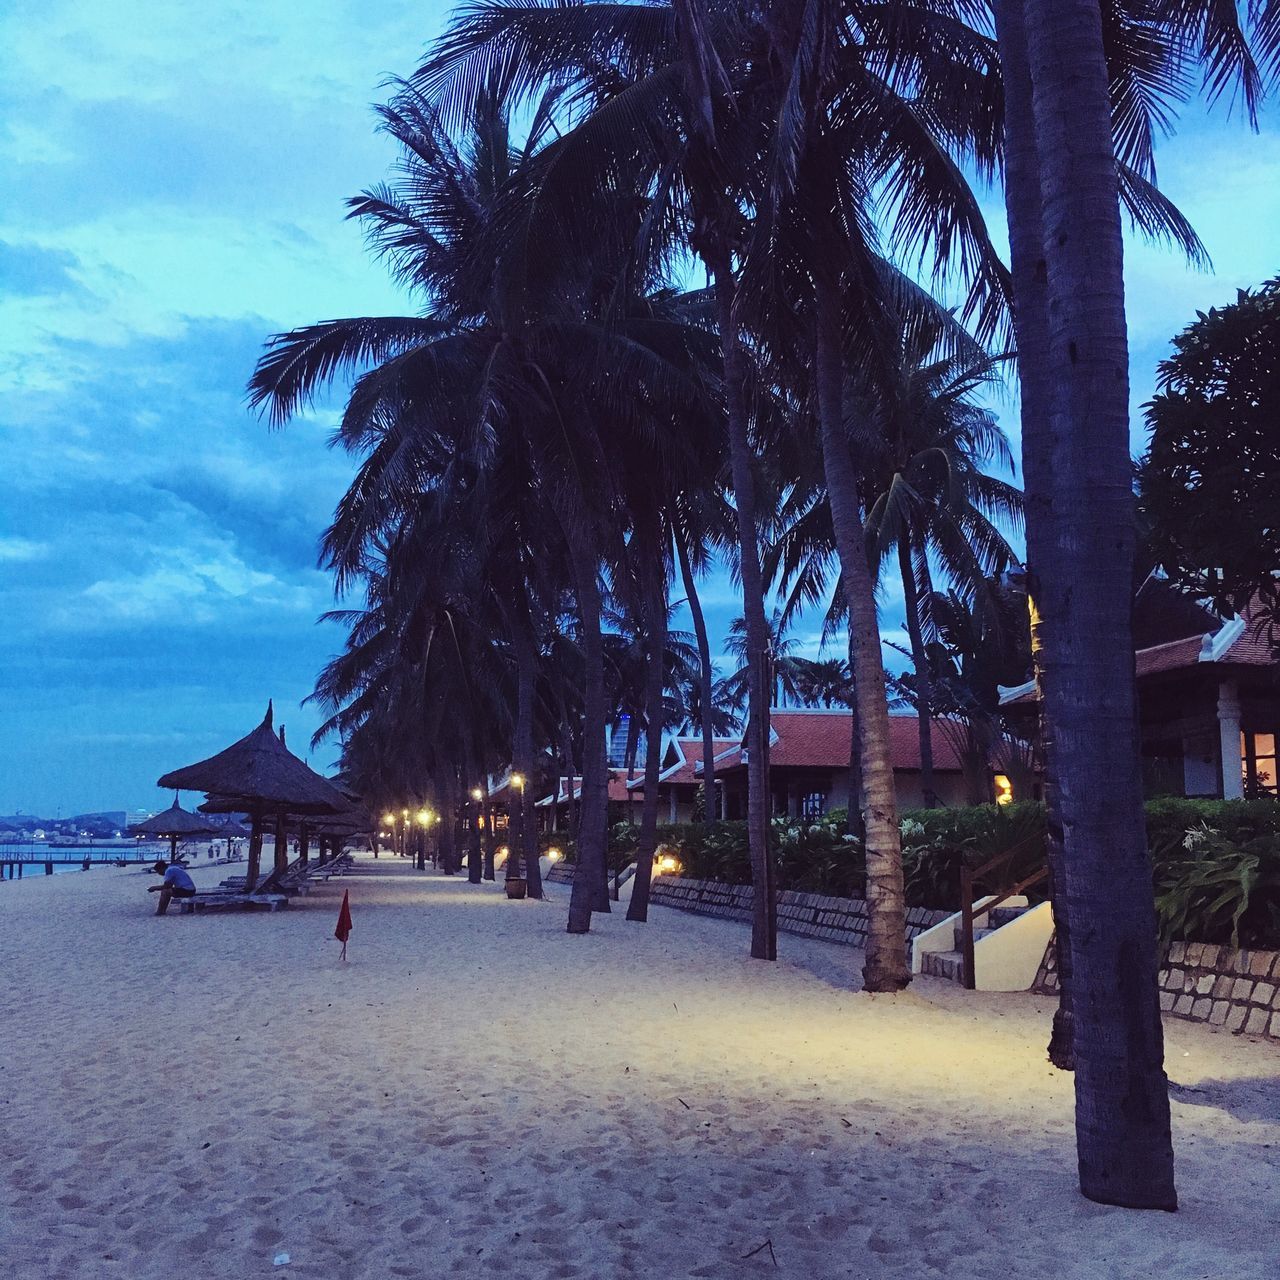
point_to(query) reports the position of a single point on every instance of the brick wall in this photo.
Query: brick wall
(1238, 990)
(812, 915)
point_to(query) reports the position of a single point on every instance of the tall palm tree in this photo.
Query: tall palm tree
(700, 519)
(611, 59)
(931, 501)
(1070, 148)
(524, 365)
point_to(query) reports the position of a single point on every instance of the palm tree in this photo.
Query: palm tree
(699, 518)
(525, 361)
(1074, 116)
(608, 57)
(930, 500)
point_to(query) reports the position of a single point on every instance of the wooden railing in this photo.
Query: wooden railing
(969, 913)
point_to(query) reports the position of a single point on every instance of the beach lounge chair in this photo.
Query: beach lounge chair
(230, 898)
(298, 877)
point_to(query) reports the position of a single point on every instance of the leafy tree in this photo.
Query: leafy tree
(1209, 485)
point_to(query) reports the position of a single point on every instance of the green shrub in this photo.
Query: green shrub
(938, 843)
(1212, 889)
(1237, 821)
(1216, 863)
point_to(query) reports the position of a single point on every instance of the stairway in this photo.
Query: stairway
(950, 964)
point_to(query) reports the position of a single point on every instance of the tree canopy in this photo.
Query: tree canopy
(1210, 481)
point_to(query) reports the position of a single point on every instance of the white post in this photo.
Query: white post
(1229, 737)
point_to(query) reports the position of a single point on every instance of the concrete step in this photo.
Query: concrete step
(944, 964)
(1000, 916)
(977, 933)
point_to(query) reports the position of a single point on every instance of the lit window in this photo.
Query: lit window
(814, 804)
(1004, 788)
(1259, 763)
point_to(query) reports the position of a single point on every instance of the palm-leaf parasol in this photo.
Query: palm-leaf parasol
(175, 823)
(260, 775)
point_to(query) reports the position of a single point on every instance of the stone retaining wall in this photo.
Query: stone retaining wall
(1238, 990)
(812, 915)
(562, 873)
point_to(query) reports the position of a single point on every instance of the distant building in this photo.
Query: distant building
(809, 758)
(1208, 699)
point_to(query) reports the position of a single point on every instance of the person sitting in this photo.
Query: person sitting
(176, 884)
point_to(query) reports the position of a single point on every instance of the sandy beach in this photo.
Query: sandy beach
(477, 1093)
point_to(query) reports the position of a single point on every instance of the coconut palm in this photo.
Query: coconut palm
(522, 366)
(658, 107)
(932, 503)
(1072, 144)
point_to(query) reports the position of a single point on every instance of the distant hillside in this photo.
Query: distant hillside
(98, 823)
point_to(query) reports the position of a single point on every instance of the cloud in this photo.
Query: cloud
(29, 271)
(20, 549)
(173, 193)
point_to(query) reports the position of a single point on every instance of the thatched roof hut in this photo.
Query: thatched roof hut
(263, 773)
(174, 824)
(260, 775)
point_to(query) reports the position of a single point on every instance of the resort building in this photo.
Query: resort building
(809, 758)
(1208, 698)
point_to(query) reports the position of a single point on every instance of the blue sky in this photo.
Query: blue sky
(174, 178)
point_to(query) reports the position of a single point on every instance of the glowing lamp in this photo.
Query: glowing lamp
(1004, 788)
(517, 780)
(554, 855)
(476, 793)
(423, 817)
(389, 819)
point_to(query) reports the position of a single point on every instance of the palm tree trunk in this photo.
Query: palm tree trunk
(589, 882)
(1123, 1140)
(857, 821)
(448, 828)
(566, 749)
(475, 853)
(524, 844)
(529, 841)
(764, 922)
(1031, 324)
(490, 843)
(705, 679)
(886, 962)
(656, 620)
(633, 750)
(920, 660)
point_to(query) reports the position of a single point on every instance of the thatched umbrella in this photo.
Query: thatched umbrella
(339, 825)
(259, 775)
(175, 823)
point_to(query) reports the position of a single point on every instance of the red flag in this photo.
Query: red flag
(343, 931)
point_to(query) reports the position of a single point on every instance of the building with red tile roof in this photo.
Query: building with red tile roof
(809, 757)
(810, 753)
(1208, 698)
